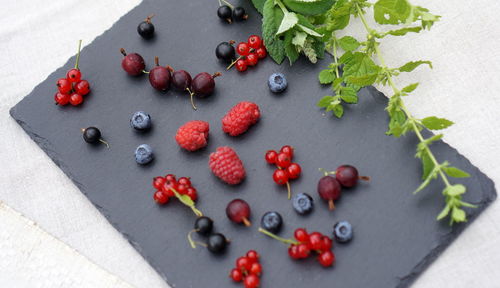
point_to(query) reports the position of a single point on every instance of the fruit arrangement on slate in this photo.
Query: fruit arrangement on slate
(289, 28)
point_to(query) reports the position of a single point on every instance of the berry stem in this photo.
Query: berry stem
(289, 190)
(104, 142)
(148, 19)
(145, 72)
(227, 3)
(157, 61)
(187, 201)
(216, 74)
(276, 237)
(324, 171)
(191, 96)
(234, 62)
(247, 222)
(192, 242)
(331, 205)
(122, 50)
(364, 178)
(78, 54)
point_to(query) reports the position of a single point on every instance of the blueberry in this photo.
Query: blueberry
(342, 231)
(302, 203)
(271, 221)
(144, 154)
(140, 121)
(277, 82)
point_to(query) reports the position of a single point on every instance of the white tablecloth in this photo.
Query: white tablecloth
(38, 36)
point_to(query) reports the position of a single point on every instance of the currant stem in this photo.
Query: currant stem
(289, 190)
(247, 222)
(234, 62)
(104, 142)
(325, 172)
(78, 54)
(145, 72)
(122, 50)
(191, 96)
(216, 74)
(190, 240)
(148, 19)
(157, 61)
(227, 3)
(276, 237)
(331, 205)
(190, 205)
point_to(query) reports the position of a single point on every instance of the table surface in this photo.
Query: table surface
(37, 36)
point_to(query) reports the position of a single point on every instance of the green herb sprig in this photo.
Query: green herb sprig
(284, 35)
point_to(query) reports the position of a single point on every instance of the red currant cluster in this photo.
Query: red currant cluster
(305, 244)
(250, 52)
(72, 88)
(168, 187)
(286, 170)
(248, 270)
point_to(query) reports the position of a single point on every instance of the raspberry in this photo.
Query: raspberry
(193, 135)
(240, 118)
(226, 165)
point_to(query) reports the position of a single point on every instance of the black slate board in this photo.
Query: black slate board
(396, 235)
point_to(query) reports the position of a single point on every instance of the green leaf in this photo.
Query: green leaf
(427, 165)
(349, 95)
(325, 101)
(458, 215)
(432, 175)
(410, 66)
(391, 11)
(410, 88)
(299, 39)
(271, 20)
(403, 31)
(348, 43)
(259, 5)
(365, 80)
(338, 110)
(455, 172)
(455, 190)
(444, 213)
(326, 76)
(290, 50)
(289, 21)
(309, 31)
(435, 123)
(356, 65)
(309, 7)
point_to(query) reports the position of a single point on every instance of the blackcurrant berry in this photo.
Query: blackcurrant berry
(217, 243)
(204, 84)
(159, 77)
(203, 225)
(225, 51)
(146, 29)
(239, 14)
(133, 63)
(224, 12)
(91, 135)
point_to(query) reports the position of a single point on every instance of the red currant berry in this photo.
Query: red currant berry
(326, 258)
(326, 243)
(192, 193)
(158, 182)
(271, 156)
(252, 59)
(64, 85)
(160, 197)
(184, 181)
(287, 149)
(293, 252)
(253, 255)
(254, 41)
(244, 264)
(75, 99)
(280, 177)
(61, 99)
(241, 65)
(74, 75)
(82, 87)
(293, 171)
(170, 178)
(256, 269)
(236, 275)
(167, 188)
(315, 241)
(181, 188)
(303, 250)
(301, 235)
(261, 52)
(251, 281)
(243, 49)
(283, 160)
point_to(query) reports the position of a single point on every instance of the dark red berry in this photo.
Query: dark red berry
(203, 84)
(254, 41)
(287, 149)
(280, 177)
(244, 264)
(64, 85)
(261, 52)
(252, 59)
(293, 171)
(82, 87)
(74, 75)
(315, 241)
(283, 160)
(326, 258)
(329, 189)
(160, 197)
(132, 63)
(271, 156)
(251, 281)
(241, 65)
(75, 99)
(159, 77)
(256, 269)
(61, 99)
(301, 235)
(236, 275)
(348, 176)
(158, 182)
(238, 211)
(253, 255)
(243, 49)
(181, 80)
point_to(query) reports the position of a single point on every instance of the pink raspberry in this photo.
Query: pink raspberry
(226, 165)
(240, 118)
(193, 135)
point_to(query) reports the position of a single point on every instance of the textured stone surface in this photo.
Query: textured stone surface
(396, 234)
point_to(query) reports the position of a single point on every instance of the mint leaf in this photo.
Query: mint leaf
(444, 212)
(309, 31)
(410, 88)
(325, 101)
(455, 190)
(338, 111)
(391, 11)
(455, 172)
(290, 50)
(410, 66)
(348, 43)
(365, 80)
(458, 215)
(271, 20)
(309, 7)
(349, 95)
(288, 22)
(326, 76)
(427, 165)
(299, 39)
(435, 123)
(259, 5)
(403, 31)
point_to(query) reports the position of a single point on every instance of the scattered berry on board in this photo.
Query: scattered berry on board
(225, 51)
(238, 211)
(227, 12)
(272, 221)
(249, 52)
(193, 135)
(146, 29)
(203, 225)
(93, 135)
(203, 84)
(141, 121)
(159, 76)
(227, 166)
(72, 88)
(286, 170)
(330, 187)
(342, 232)
(132, 63)
(247, 270)
(277, 82)
(144, 154)
(239, 118)
(217, 243)
(303, 203)
(168, 187)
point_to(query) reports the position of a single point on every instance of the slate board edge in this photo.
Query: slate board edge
(405, 281)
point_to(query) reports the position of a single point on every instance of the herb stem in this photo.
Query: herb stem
(334, 44)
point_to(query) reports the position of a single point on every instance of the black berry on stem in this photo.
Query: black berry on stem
(93, 135)
(146, 29)
(217, 243)
(203, 225)
(239, 14)
(225, 51)
(225, 13)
